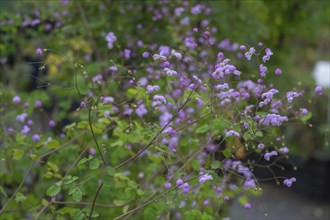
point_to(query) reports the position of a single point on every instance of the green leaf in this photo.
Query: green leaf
(215, 164)
(17, 154)
(125, 208)
(193, 215)
(53, 144)
(110, 171)
(206, 216)
(139, 192)
(119, 202)
(84, 160)
(202, 129)
(94, 164)
(259, 134)
(305, 118)
(53, 190)
(219, 125)
(77, 195)
(52, 166)
(19, 197)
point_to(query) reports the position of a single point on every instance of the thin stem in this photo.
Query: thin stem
(94, 200)
(93, 134)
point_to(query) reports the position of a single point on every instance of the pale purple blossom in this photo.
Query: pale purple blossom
(268, 155)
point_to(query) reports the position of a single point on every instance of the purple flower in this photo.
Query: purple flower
(284, 150)
(10, 130)
(250, 184)
(185, 187)
(39, 51)
(288, 182)
(268, 155)
(261, 146)
(51, 123)
(16, 99)
(303, 111)
(141, 110)
(318, 90)
(83, 104)
(205, 177)
(21, 118)
(36, 138)
(145, 55)
(232, 132)
(226, 198)
(206, 202)
(167, 185)
(278, 71)
(29, 123)
(247, 206)
(127, 53)
(195, 30)
(262, 70)
(179, 182)
(107, 114)
(108, 99)
(110, 38)
(92, 151)
(170, 72)
(249, 54)
(151, 89)
(26, 105)
(242, 47)
(38, 104)
(25, 129)
(158, 100)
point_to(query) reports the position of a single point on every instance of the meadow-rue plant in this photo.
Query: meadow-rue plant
(144, 128)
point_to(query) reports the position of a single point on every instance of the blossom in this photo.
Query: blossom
(318, 90)
(107, 114)
(158, 100)
(51, 123)
(167, 185)
(21, 118)
(16, 99)
(278, 71)
(205, 177)
(303, 111)
(36, 138)
(170, 72)
(25, 129)
(249, 54)
(110, 38)
(206, 202)
(268, 155)
(284, 150)
(39, 51)
(247, 206)
(108, 99)
(82, 104)
(151, 89)
(38, 103)
(250, 184)
(141, 110)
(179, 182)
(261, 146)
(288, 182)
(145, 55)
(232, 132)
(262, 70)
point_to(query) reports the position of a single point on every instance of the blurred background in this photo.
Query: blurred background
(297, 31)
